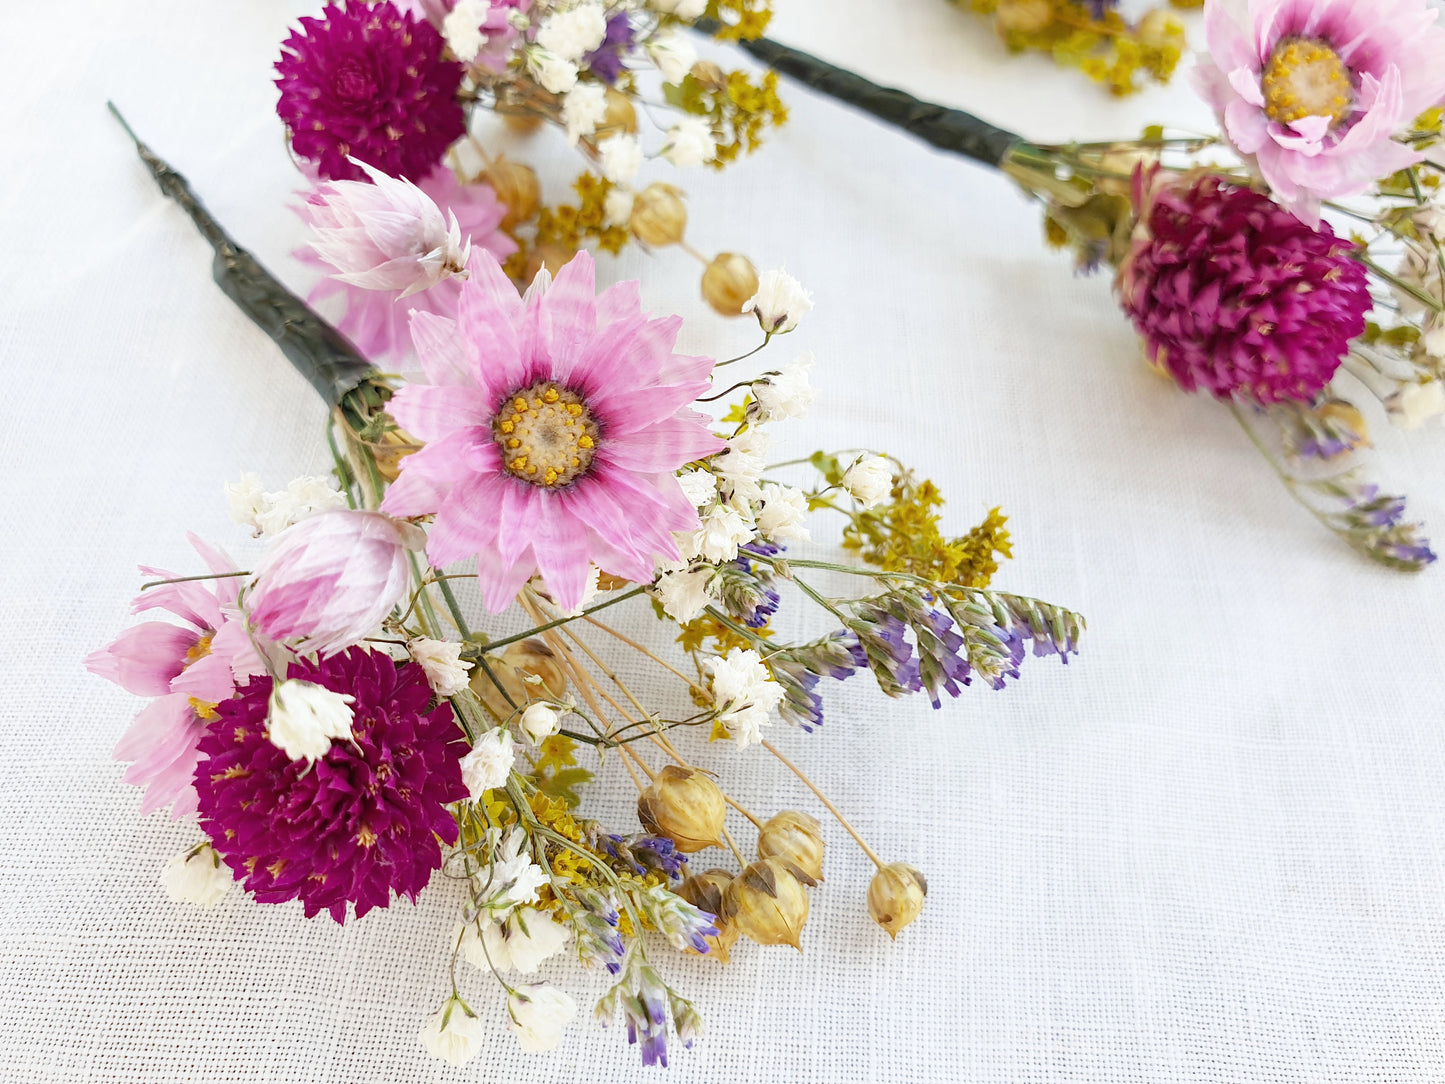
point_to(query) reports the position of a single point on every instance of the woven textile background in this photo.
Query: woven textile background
(1209, 851)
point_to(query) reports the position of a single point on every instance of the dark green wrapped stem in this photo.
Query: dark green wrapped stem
(319, 352)
(951, 130)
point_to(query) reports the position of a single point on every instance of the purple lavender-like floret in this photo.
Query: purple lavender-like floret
(605, 61)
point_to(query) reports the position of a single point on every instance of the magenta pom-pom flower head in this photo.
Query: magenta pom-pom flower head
(330, 580)
(363, 821)
(368, 81)
(188, 667)
(1233, 294)
(554, 425)
(1314, 90)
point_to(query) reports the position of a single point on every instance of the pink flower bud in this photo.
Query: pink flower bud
(330, 580)
(384, 236)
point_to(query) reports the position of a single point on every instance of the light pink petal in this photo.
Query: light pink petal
(232, 643)
(1246, 126)
(488, 314)
(662, 447)
(439, 348)
(210, 679)
(145, 658)
(620, 301)
(431, 411)
(191, 601)
(569, 315)
(1229, 45)
(561, 553)
(1305, 137)
(1246, 84)
(597, 365)
(468, 521)
(499, 581)
(427, 475)
(627, 410)
(1379, 124)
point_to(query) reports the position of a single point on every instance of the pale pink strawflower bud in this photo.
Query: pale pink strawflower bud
(329, 581)
(389, 235)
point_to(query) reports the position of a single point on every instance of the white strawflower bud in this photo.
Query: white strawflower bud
(690, 143)
(197, 876)
(621, 158)
(698, 486)
(779, 303)
(463, 28)
(744, 693)
(673, 54)
(445, 671)
(246, 500)
(1415, 404)
(574, 33)
(522, 942)
(617, 207)
(684, 595)
(787, 395)
(583, 109)
(540, 721)
(683, 9)
(452, 1033)
(489, 763)
(869, 481)
(723, 530)
(539, 1014)
(304, 717)
(269, 514)
(556, 75)
(783, 514)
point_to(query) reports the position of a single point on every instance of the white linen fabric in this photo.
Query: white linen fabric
(1209, 850)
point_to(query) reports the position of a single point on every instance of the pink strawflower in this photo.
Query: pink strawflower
(189, 668)
(373, 320)
(369, 81)
(1313, 90)
(330, 580)
(364, 820)
(386, 234)
(1232, 293)
(554, 424)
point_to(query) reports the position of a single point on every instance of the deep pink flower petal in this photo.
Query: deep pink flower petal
(655, 448)
(562, 552)
(144, 658)
(430, 411)
(439, 348)
(570, 314)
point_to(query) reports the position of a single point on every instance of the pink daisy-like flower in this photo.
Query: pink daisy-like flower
(554, 424)
(189, 669)
(374, 320)
(365, 820)
(1232, 293)
(367, 81)
(1313, 90)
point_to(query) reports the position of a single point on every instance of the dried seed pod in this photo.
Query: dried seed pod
(794, 837)
(709, 75)
(705, 891)
(553, 255)
(518, 670)
(659, 217)
(606, 581)
(729, 281)
(684, 805)
(620, 117)
(517, 187)
(1022, 16)
(767, 903)
(521, 122)
(895, 896)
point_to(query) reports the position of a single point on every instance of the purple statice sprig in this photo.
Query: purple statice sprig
(607, 60)
(1370, 521)
(746, 585)
(799, 667)
(644, 853)
(643, 999)
(594, 919)
(1323, 430)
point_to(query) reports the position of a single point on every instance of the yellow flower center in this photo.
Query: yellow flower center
(1306, 78)
(547, 435)
(204, 709)
(200, 649)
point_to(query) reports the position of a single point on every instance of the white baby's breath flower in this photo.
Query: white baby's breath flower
(683, 9)
(538, 1015)
(744, 693)
(246, 500)
(723, 530)
(463, 28)
(620, 158)
(690, 143)
(673, 54)
(698, 486)
(305, 717)
(741, 465)
(540, 721)
(271, 513)
(869, 481)
(441, 660)
(1433, 339)
(525, 940)
(489, 763)
(617, 207)
(556, 75)
(783, 514)
(583, 109)
(452, 1033)
(1415, 404)
(787, 395)
(684, 595)
(197, 876)
(573, 33)
(779, 303)
(510, 880)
